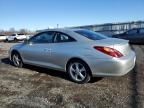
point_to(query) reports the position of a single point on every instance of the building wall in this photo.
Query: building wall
(113, 28)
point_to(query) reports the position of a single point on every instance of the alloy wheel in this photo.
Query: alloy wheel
(78, 71)
(17, 60)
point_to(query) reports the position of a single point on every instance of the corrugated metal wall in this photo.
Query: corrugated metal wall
(114, 28)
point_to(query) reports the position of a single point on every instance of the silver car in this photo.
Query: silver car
(81, 53)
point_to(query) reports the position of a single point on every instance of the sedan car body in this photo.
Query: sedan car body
(135, 36)
(81, 53)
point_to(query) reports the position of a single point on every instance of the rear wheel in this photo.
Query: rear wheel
(16, 59)
(15, 39)
(79, 72)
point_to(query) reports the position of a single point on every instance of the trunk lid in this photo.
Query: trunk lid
(120, 45)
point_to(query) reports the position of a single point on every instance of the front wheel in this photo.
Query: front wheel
(79, 72)
(6, 40)
(17, 61)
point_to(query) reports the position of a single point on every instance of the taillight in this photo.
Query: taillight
(109, 51)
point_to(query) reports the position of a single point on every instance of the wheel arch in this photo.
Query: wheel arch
(14, 51)
(77, 58)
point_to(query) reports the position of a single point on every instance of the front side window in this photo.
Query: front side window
(45, 37)
(91, 35)
(132, 32)
(60, 37)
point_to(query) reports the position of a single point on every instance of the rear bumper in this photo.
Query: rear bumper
(114, 66)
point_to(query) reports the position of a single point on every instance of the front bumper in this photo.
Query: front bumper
(114, 66)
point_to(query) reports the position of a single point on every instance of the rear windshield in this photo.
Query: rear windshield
(91, 35)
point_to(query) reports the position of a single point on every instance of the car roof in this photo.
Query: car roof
(63, 30)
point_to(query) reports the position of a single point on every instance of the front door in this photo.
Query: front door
(38, 49)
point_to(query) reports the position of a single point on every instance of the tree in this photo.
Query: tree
(12, 30)
(23, 31)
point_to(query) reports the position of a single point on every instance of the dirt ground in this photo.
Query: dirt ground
(33, 87)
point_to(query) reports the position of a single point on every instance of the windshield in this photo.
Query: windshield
(91, 35)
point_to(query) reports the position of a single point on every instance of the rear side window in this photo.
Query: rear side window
(141, 30)
(61, 37)
(20, 34)
(91, 35)
(13, 34)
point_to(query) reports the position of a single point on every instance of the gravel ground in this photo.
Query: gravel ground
(33, 87)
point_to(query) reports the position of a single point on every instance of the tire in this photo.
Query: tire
(79, 71)
(15, 39)
(6, 40)
(16, 59)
